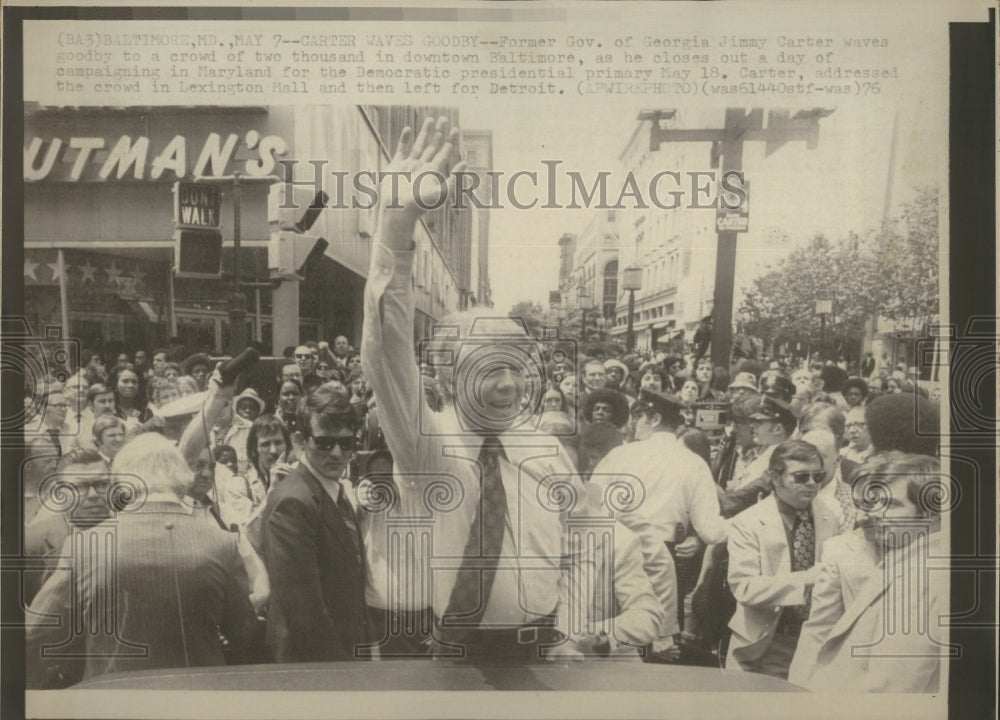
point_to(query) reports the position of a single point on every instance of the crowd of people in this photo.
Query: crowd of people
(497, 502)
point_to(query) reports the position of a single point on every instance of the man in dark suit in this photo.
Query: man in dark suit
(312, 548)
(150, 589)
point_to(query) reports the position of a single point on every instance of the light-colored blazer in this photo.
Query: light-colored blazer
(849, 563)
(761, 577)
(889, 639)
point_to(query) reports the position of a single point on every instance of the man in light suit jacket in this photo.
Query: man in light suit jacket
(774, 548)
(850, 561)
(888, 638)
(313, 551)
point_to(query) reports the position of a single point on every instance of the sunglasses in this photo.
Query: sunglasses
(303, 357)
(804, 476)
(326, 443)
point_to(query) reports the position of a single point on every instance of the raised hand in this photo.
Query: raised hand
(420, 177)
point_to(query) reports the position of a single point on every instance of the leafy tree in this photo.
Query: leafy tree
(894, 274)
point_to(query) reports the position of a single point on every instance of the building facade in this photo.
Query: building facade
(99, 248)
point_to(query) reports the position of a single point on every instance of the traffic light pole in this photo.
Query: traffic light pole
(237, 299)
(741, 126)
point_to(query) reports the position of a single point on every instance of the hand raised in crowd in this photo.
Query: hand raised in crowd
(280, 469)
(419, 178)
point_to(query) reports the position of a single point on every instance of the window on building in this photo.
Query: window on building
(610, 288)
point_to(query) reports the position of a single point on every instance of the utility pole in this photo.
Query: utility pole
(237, 298)
(727, 145)
(631, 281)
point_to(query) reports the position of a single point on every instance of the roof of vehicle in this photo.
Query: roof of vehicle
(620, 674)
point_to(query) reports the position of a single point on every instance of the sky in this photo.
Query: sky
(838, 187)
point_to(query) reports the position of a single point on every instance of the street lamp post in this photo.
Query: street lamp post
(823, 308)
(631, 281)
(582, 294)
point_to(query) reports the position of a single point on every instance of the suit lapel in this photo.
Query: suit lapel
(775, 540)
(827, 523)
(331, 515)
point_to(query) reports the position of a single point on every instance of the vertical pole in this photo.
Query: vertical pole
(63, 296)
(258, 329)
(630, 337)
(822, 335)
(237, 303)
(725, 258)
(171, 312)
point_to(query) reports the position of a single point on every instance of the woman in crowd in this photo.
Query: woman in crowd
(172, 371)
(704, 374)
(570, 389)
(854, 390)
(553, 400)
(289, 395)
(129, 388)
(163, 390)
(246, 407)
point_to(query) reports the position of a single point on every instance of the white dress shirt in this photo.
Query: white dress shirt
(659, 482)
(544, 567)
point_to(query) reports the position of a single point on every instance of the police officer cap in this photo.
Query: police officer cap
(776, 384)
(773, 408)
(182, 407)
(667, 405)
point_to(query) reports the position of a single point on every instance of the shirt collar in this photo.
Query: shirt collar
(324, 482)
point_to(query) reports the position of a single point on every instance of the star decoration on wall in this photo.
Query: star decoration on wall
(55, 270)
(138, 275)
(88, 271)
(29, 269)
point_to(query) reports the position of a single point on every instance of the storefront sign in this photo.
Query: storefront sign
(100, 159)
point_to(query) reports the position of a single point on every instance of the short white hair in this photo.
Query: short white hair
(156, 463)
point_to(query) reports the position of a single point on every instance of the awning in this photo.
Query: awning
(144, 310)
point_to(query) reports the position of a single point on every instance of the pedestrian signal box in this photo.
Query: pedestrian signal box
(198, 253)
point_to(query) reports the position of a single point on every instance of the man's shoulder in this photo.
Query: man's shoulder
(294, 486)
(845, 545)
(756, 514)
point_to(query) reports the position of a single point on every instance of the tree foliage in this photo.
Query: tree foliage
(894, 274)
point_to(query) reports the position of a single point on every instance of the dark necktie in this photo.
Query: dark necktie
(54, 434)
(347, 515)
(474, 581)
(803, 558)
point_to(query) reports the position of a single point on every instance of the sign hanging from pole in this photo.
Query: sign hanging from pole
(197, 206)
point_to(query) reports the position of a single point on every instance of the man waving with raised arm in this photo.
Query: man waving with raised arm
(506, 570)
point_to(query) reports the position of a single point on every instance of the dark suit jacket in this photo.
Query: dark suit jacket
(159, 600)
(317, 609)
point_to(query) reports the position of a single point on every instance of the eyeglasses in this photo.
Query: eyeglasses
(804, 476)
(325, 443)
(99, 485)
(303, 357)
